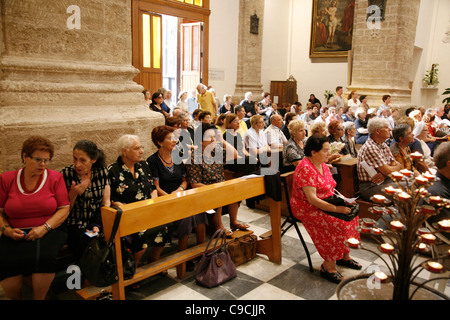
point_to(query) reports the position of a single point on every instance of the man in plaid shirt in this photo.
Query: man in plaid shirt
(377, 154)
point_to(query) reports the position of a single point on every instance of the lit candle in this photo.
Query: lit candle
(353, 243)
(435, 199)
(377, 231)
(397, 175)
(406, 172)
(390, 190)
(379, 198)
(416, 155)
(434, 266)
(421, 231)
(396, 225)
(428, 209)
(423, 247)
(404, 196)
(368, 222)
(421, 180)
(365, 229)
(428, 238)
(387, 248)
(429, 176)
(378, 210)
(444, 225)
(381, 276)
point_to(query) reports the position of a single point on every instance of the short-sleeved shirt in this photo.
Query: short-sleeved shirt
(169, 177)
(253, 140)
(26, 210)
(376, 155)
(274, 135)
(86, 208)
(128, 189)
(307, 175)
(207, 102)
(204, 171)
(292, 152)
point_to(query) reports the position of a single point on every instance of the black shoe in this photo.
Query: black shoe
(335, 277)
(352, 264)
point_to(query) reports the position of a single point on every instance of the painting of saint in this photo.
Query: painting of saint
(332, 28)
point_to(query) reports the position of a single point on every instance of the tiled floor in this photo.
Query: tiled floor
(258, 279)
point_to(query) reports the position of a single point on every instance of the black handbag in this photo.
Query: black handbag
(340, 202)
(98, 262)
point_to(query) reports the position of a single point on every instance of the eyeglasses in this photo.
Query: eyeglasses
(40, 160)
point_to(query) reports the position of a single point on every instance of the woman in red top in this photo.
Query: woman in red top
(33, 205)
(312, 183)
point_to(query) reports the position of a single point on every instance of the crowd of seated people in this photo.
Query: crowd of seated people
(243, 140)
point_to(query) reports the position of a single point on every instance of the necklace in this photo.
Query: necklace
(168, 163)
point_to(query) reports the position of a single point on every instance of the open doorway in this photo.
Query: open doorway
(182, 55)
(170, 46)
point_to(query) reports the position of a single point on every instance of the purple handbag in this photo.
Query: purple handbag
(215, 267)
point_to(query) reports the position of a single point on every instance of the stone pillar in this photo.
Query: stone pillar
(382, 58)
(249, 51)
(66, 74)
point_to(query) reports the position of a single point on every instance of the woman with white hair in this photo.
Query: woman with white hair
(131, 181)
(348, 139)
(421, 134)
(182, 101)
(361, 126)
(293, 150)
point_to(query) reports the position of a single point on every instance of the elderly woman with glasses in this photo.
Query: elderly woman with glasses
(131, 181)
(33, 207)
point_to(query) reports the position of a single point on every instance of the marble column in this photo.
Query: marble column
(249, 50)
(383, 52)
(66, 74)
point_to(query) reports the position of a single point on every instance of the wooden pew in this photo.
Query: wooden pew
(349, 184)
(148, 214)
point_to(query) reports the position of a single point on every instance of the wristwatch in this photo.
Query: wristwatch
(5, 226)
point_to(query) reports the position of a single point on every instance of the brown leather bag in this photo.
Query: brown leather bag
(243, 249)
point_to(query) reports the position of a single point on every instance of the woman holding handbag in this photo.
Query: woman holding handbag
(313, 182)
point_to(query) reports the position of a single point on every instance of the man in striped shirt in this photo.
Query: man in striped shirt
(375, 160)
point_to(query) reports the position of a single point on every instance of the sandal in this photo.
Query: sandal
(239, 226)
(352, 264)
(335, 277)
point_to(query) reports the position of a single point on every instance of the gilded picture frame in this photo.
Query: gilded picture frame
(331, 28)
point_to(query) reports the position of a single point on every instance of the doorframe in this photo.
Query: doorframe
(177, 9)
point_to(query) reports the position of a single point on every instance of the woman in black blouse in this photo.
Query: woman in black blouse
(244, 164)
(132, 181)
(87, 183)
(170, 177)
(157, 101)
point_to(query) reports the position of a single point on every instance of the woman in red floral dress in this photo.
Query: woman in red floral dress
(312, 183)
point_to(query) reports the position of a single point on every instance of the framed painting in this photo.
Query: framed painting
(331, 28)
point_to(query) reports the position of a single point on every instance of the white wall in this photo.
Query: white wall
(433, 23)
(223, 46)
(286, 40)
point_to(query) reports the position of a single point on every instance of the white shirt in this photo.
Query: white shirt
(253, 140)
(275, 136)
